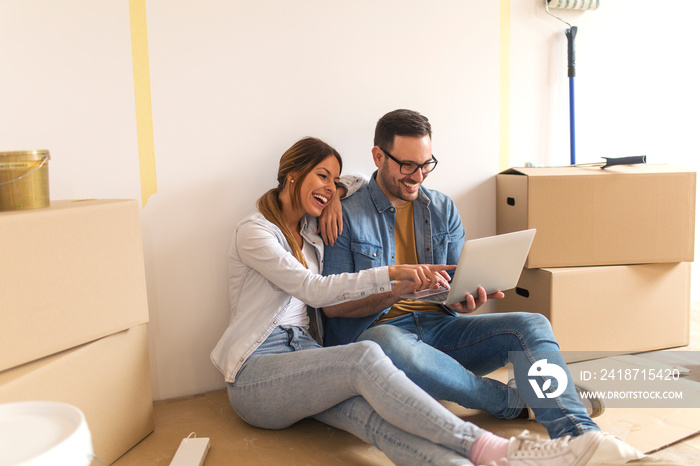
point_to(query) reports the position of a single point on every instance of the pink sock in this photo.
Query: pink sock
(488, 447)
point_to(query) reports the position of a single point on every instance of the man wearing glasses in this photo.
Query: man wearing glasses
(395, 220)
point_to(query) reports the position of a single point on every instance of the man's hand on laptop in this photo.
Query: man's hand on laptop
(471, 304)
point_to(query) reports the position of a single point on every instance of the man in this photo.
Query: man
(393, 220)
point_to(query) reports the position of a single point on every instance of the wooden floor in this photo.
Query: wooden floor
(311, 443)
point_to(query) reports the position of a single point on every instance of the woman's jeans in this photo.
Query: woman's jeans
(353, 387)
(449, 356)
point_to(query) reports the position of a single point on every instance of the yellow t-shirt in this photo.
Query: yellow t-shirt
(405, 242)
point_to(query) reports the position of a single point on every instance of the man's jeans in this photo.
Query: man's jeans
(353, 387)
(449, 356)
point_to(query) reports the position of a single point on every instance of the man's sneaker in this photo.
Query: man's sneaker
(594, 405)
(592, 448)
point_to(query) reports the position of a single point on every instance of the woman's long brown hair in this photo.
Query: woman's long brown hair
(299, 160)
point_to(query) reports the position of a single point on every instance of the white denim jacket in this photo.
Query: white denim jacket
(264, 275)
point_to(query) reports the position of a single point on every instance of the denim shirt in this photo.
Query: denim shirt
(264, 275)
(368, 241)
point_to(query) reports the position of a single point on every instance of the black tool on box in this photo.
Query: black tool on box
(610, 161)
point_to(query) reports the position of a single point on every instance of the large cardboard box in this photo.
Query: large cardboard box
(69, 274)
(588, 216)
(620, 309)
(107, 379)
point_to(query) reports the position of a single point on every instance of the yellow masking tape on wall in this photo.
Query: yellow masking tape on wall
(142, 93)
(504, 123)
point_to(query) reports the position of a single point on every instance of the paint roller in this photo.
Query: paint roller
(570, 36)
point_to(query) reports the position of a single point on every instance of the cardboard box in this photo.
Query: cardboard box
(588, 216)
(625, 309)
(69, 274)
(107, 379)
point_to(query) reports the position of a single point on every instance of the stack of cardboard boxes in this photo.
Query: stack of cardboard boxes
(610, 262)
(73, 315)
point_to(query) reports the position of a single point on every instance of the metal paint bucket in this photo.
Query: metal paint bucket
(24, 180)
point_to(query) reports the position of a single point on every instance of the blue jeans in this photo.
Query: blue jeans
(448, 357)
(353, 387)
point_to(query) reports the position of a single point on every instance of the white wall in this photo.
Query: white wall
(66, 85)
(234, 83)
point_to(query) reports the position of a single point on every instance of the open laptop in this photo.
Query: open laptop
(494, 262)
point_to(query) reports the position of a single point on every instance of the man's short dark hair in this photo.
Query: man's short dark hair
(400, 122)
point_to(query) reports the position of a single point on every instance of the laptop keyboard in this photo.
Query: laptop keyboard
(436, 298)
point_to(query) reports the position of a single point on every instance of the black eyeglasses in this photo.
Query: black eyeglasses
(409, 168)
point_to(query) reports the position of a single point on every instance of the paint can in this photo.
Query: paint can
(24, 180)
(44, 433)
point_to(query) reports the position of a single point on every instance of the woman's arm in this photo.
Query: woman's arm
(330, 223)
(261, 250)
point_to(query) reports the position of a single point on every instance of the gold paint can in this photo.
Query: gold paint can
(24, 180)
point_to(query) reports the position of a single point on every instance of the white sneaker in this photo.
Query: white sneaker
(608, 450)
(530, 450)
(592, 448)
(594, 406)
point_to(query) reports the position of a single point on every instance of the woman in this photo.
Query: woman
(277, 374)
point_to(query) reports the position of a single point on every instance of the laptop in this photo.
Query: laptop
(493, 262)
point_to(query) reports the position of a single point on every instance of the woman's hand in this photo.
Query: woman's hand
(330, 223)
(423, 276)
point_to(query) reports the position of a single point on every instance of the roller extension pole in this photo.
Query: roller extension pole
(570, 36)
(572, 123)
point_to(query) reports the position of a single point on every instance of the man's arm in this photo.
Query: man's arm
(372, 304)
(339, 259)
